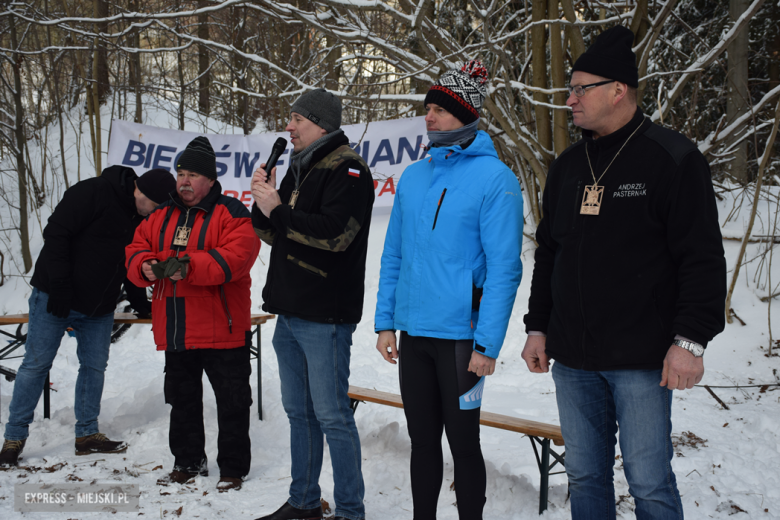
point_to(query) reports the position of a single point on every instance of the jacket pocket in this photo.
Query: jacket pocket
(308, 267)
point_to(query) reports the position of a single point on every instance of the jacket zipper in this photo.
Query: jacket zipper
(438, 208)
(227, 310)
(175, 313)
(579, 278)
(579, 284)
(576, 201)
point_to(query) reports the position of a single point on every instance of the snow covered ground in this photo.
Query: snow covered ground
(727, 460)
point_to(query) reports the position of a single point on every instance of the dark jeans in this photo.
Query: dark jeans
(592, 405)
(228, 371)
(314, 371)
(43, 340)
(439, 393)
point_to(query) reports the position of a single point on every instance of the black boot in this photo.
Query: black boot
(288, 512)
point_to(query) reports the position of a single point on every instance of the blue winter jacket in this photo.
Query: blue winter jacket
(456, 227)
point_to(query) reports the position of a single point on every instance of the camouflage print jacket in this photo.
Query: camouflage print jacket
(318, 255)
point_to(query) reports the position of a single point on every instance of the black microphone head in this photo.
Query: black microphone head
(279, 145)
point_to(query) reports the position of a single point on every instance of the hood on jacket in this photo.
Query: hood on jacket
(122, 180)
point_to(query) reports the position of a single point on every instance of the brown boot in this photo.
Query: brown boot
(9, 456)
(98, 443)
(228, 483)
(176, 477)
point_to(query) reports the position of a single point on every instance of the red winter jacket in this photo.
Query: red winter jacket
(210, 307)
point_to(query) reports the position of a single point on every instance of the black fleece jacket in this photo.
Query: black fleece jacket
(318, 254)
(83, 255)
(612, 290)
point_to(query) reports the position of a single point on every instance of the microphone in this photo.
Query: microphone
(276, 152)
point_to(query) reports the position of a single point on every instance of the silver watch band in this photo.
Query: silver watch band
(694, 348)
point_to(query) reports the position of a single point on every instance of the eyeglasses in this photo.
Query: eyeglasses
(579, 90)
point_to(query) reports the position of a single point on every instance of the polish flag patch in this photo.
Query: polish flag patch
(353, 172)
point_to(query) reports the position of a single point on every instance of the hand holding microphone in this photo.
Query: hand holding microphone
(276, 151)
(264, 180)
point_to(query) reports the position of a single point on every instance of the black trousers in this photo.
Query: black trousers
(434, 375)
(228, 371)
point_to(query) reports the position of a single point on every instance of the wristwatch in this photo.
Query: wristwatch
(694, 348)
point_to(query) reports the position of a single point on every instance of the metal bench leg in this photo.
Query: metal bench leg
(544, 470)
(259, 375)
(353, 403)
(46, 386)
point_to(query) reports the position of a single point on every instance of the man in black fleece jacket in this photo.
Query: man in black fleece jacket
(317, 224)
(77, 280)
(628, 286)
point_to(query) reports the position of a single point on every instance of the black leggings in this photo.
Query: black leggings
(434, 378)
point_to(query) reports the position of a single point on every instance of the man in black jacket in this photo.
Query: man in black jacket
(318, 226)
(77, 280)
(628, 285)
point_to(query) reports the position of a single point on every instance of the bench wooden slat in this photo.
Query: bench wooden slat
(493, 420)
(13, 319)
(375, 396)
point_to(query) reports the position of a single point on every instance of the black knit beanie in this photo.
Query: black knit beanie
(461, 92)
(199, 157)
(156, 184)
(611, 57)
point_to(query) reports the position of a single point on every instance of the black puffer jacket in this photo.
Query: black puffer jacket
(612, 290)
(318, 258)
(84, 250)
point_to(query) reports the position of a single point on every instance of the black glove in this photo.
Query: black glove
(143, 315)
(168, 267)
(59, 304)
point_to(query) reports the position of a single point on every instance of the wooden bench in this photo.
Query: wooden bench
(19, 339)
(539, 433)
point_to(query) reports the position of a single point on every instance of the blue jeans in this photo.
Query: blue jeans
(44, 335)
(314, 372)
(591, 406)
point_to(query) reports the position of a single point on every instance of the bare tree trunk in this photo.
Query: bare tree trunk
(239, 64)
(96, 112)
(204, 76)
(332, 79)
(56, 96)
(639, 25)
(136, 75)
(180, 70)
(737, 100)
(101, 57)
(575, 35)
(539, 64)
(21, 168)
(560, 117)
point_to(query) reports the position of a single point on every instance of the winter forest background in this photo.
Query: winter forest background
(709, 69)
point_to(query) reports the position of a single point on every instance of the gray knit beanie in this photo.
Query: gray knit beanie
(321, 108)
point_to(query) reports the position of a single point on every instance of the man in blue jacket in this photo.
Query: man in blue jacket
(449, 276)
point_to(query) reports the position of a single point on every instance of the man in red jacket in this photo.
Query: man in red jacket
(197, 250)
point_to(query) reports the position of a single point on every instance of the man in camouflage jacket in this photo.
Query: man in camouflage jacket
(317, 224)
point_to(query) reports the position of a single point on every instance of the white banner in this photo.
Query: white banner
(387, 146)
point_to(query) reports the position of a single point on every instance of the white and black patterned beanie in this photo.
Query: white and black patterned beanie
(199, 157)
(461, 92)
